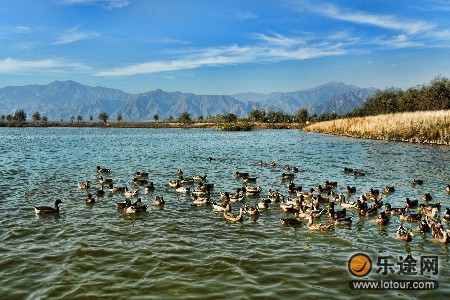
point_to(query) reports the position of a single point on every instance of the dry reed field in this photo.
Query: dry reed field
(419, 127)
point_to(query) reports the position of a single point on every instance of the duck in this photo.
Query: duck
(322, 189)
(159, 200)
(114, 189)
(134, 209)
(210, 158)
(200, 192)
(141, 174)
(331, 184)
(410, 217)
(260, 163)
(179, 171)
(417, 181)
(411, 203)
(348, 170)
(199, 177)
(428, 211)
(183, 180)
(100, 192)
(389, 189)
(229, 216)
(286, 176)
(439, 233)
(263, 204)
(130, 193)
(150, 187)
(389, 210)
(358, 173)
(205, 187)
(427, 197)
(249, 180)
(336, 214)
(183, 189)
(292, 189)
(90, 199)
(423, 227)
(251, 190)
(287, 208)
(405, 234)
(317, 226)
(295, 221)
(103, 170)
(348, 204)
(174, 183)
(382, 218)
(198, 201)
(447, 188)
(84, 185)
(295, 169)
(102, 180)
(351, 189)
(123, 204)
(307, 194)
(287, 167)
(42, 210)
(138, 181)
(250, 210)
(272, 164)
(241, 175)
(221, 206)
(446, 217)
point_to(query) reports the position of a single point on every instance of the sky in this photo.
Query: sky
(224, 47)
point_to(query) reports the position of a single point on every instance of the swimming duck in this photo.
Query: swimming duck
(286, 176)
(42, 210)
(428, 211)
(198, 201)
(114, 189)
(102, 180)
(199, 177)
(439, 233)
(263, 204)
(348, 170)
(210, 158)
(405, 234)
(200, 192)
(331, 184)
(123, 204)
(411, 203)
(351, 190)
(295, 169)
(150, 187)
(251, 190)
(317, 226)
(260, 163)
(336, 214)
(229, 216)
(241, 175)
(287, 167)
(174, 183)
(272, 164)
(134, 209)
(382, 218)
(389, 189)
(287, 208)
(417, 181)
(138, 181)
(183, 189)
(358, 173)
(446, 217)
(179, 171)
(141, 174)
(389, 210)
(423, 227)
(183, 180)
(100, 192)
(427, 197)
(90, 199)
(249, 180)
(447, 188)
(159, 200)
(295, 221)
(84, 185)
(410, 217)
(250, 210)
(221, 206)
(130, 193)
(103, 170)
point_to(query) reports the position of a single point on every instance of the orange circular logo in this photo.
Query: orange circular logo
(359, 264)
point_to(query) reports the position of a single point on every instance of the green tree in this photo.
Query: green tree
(185, 117)
(9, 118)
(91, 118)
(302, 115)
(230, 118)
(170, 118)
(72, 118)
(119, 117)
(36, 117)
(257, 115)
(44, 119)
(103, 117)
(156, 117)
(79, 118)
(3, 118)
(20, 116)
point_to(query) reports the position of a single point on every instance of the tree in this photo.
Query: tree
(170, 118)
(302, 115)
(257, 115)
(185, 117)
(36, 117)
(20, 116)
(230, 118)
(79, 118)
(72, 118)
(156, 117)
(44, 119)
(119, 117)
(3, 117)
(91, 117)
(103, 117)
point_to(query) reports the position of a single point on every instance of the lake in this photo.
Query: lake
(180, 251)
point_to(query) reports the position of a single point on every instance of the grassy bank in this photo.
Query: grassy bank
(419, 127)
(149, 125)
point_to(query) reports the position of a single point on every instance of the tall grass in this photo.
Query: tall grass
(420, 127)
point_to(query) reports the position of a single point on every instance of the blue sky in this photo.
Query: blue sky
(224, 47)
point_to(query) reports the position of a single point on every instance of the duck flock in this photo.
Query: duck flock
(319, 208)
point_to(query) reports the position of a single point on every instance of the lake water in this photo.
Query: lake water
(180, 251)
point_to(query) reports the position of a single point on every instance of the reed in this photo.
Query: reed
(419, 127)
(237, 126)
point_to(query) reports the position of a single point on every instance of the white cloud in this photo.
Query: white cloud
(11, 65)
(247, 15)
(109, 4)
(360, 17)
(273, 48)
(73, 35)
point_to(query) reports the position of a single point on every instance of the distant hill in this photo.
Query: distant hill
(63, 99)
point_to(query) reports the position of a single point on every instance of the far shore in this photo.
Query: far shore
(256, 125)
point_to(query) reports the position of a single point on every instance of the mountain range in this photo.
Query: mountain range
(60, 100)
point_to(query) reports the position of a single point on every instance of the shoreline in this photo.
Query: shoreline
(256, 125)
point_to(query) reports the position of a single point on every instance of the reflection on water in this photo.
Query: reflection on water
(179, 250)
